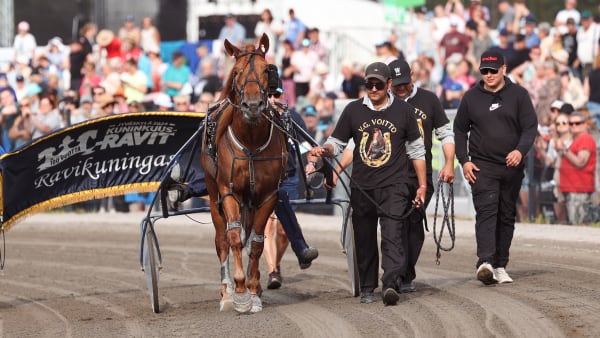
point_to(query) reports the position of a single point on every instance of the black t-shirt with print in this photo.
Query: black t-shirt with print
(430, 115)
(380, 153)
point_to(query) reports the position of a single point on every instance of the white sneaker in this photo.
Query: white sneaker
(503, 276)
(486, 274)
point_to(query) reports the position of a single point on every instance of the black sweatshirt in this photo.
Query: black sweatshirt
(498, 123)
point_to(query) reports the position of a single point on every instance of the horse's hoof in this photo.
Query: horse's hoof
(226, 303)
(242, 302)
(256, 304)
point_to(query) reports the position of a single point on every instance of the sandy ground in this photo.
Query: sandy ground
(78, 275)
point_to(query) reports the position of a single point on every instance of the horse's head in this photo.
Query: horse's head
(249, 79)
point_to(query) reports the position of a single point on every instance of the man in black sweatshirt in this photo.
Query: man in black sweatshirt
(494, 128)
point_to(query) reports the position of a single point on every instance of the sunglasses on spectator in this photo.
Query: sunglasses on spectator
(561, 123)
(575, 123)
(276, 95)
(377, 85)
(485, 71)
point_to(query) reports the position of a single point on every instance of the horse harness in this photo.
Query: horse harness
(233, 142)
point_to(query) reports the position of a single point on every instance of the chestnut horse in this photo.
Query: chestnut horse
(243, 156)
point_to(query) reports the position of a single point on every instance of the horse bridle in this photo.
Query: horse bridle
(238, 92)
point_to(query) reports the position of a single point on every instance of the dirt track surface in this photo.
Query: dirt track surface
(70, 275)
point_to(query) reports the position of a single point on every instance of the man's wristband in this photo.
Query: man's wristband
(314, 164)
(422, 186)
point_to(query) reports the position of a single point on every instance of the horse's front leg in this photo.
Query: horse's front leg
(223, 253)
(241, 296)
(259, 222)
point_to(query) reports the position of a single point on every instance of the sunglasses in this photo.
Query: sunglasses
(575, 123)
(23, 105)
(563, 123)
(377, 85)
(485, 71)
(276, 95)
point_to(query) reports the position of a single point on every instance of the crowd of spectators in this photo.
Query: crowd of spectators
(104, 72)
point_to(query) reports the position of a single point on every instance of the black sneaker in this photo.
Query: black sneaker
(367, 297)
(390, 296)
(307, 256)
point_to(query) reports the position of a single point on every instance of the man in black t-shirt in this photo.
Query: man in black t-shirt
(430, 115)
(379, 185)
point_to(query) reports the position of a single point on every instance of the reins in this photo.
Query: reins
(447, 219)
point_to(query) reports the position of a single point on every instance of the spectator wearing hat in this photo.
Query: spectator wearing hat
(588, 39)
(106, 104)
(532, 38)
(494, 128)
(322, 82)
(110, 43)
(120, 101)
(57, 54)
(303, 62)
(311, 120)
(20, 87)
(380, 194)
(162, 102)
(130, 31)
(24, 44)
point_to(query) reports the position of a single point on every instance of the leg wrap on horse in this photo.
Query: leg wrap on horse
(233, 225)
(289, 222)
(226, 275)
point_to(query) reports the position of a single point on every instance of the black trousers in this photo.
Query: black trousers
(495, 193)
(393, 201)
(414, 234)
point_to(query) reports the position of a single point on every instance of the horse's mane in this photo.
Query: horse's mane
(226, 115)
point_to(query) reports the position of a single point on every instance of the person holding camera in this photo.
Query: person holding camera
(20, 132)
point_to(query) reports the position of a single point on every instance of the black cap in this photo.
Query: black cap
(491, 59)
(377, 70)
(20, 78)
(567, 108)
(519, 37)
(400, 71)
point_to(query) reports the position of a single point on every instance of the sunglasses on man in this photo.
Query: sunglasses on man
(377, 85)
(485, 71)
(276, 95)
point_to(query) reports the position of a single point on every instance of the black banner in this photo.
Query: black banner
(108, 156)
